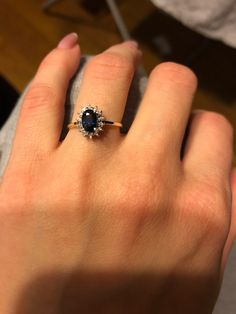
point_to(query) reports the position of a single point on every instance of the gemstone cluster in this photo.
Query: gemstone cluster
(90, 121)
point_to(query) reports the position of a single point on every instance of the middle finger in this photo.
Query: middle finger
(164, 112)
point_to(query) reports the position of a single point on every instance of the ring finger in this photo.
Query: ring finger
(106, 82)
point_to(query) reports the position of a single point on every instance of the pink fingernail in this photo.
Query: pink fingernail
(132, 43)
(69, 41)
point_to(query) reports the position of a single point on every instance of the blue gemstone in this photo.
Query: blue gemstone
(89, 120)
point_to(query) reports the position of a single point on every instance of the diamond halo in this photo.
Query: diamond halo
(98, 122)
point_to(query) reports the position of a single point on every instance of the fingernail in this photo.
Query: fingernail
(131, 43)
(69, 41)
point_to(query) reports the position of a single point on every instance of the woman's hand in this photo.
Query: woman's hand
(116, 224)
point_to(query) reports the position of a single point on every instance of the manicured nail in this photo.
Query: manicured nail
(69, 41)
(131, 43)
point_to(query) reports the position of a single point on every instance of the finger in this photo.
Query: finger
(106, 82)
(208, 148)
(232, 231)
(207, 158)
(162, 117)
(42, 113)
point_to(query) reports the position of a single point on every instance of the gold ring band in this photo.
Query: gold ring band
(74, 125)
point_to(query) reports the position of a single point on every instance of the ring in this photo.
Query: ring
(90, 121)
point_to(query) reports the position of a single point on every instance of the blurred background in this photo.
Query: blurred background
(28, 32)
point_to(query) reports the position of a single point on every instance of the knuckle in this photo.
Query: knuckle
(39, 95)
(21, 194)
(139, 199)
(133, 198)
(110, 66)
(216, 119)
(176, 73)
(206, 207)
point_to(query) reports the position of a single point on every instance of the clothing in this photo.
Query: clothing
(213, 18)
(227, 301)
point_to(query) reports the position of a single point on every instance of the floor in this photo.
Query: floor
(27, 34)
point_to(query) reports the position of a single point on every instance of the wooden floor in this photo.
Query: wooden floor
(27, 34)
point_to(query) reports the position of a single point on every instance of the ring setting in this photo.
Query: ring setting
(91, 121)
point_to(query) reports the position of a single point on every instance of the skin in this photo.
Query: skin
(119, 224)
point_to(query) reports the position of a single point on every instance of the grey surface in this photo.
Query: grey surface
(227, 300)
(212, 18)
(226, 303)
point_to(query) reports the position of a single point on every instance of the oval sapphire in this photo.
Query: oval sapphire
(89, 121)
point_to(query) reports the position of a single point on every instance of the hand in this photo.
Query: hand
(116, 224)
